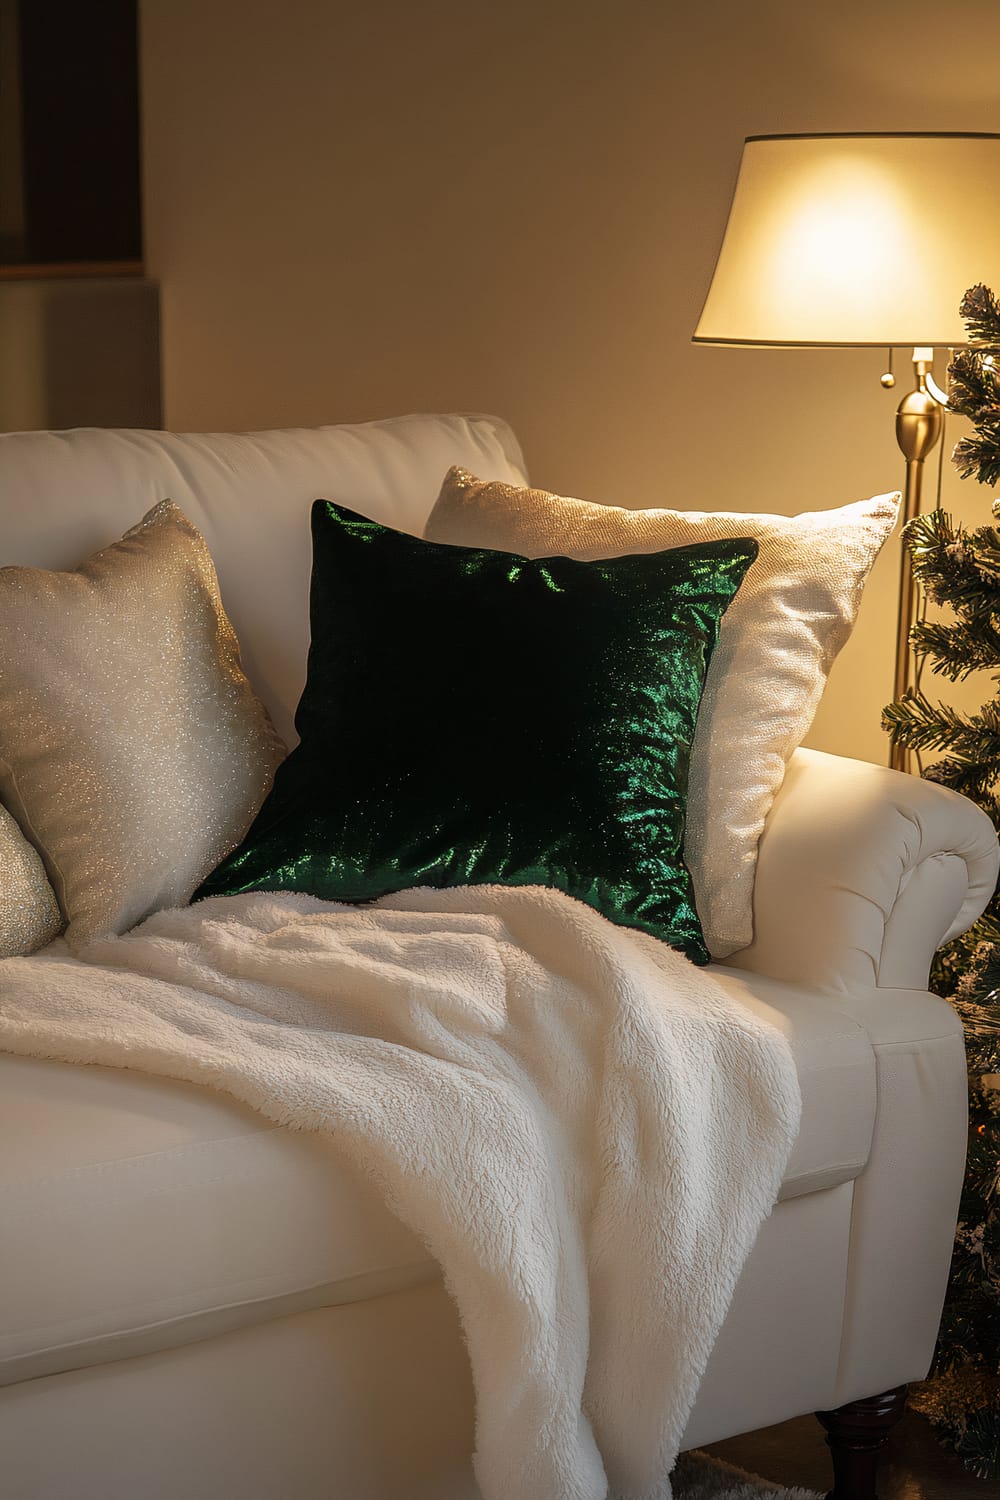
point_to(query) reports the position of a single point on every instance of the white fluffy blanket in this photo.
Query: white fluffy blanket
(580, 1125)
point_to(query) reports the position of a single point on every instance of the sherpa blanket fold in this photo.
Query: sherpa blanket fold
(583, 1129)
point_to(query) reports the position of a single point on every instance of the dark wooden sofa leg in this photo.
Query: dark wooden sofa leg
(856, 1434)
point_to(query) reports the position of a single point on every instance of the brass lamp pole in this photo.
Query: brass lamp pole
(919, 424)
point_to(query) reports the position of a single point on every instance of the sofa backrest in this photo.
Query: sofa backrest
(65, 494)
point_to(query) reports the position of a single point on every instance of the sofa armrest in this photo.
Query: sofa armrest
(862, 872)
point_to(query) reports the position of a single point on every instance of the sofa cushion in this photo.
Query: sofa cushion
(138, 1214)
(776, 647)
(475, 718)
(29, 912)
(62, 494)
(133, 750)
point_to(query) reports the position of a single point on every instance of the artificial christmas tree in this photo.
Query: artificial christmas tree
(961, 569)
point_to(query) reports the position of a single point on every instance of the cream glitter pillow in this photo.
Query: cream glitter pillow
(29, 911)
(777, 643)
(133, 752)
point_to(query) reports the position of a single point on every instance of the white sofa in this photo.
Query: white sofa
(197, 1304)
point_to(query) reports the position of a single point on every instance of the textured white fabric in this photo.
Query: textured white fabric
(449, 1042)
(29, 911)
(249, 493)
(133, 751)
(863, 872)
(778, 641)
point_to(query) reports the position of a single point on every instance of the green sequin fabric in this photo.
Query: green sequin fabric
(472, 717)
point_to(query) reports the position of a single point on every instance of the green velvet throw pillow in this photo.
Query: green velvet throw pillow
(472, 717)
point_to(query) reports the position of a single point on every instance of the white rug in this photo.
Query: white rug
(698, 1477)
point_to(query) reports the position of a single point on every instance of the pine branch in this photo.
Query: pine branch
(956, 651)
(956, 567)
(982, 937)
(987, 929)
(980, 738)
(984, 545)
(981, 312)
(983, 1055)
(944, 562)
(982, 1171)
(928, 534)
(971, 779)
(981, 1016)
(975, 388)
(984, 974)
(979, 456)
(987, 720)
(916, 724)
(973, 384)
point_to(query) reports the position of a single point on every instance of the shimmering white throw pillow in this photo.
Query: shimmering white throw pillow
(779, 637)
(133, 751)
(29, 911)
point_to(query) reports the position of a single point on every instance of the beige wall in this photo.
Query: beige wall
(495, 205)
(79, 353)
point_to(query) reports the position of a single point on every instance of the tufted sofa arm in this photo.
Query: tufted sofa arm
(862, 873)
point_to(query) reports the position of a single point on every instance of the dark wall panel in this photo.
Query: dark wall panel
(80, 130)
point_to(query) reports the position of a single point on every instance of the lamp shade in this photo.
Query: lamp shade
(856, 239)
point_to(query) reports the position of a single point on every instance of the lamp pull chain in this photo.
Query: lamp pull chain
(888, 380)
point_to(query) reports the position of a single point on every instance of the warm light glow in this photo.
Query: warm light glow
(851, 240)
(842, 235)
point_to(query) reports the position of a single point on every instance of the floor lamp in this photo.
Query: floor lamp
(851, 240)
